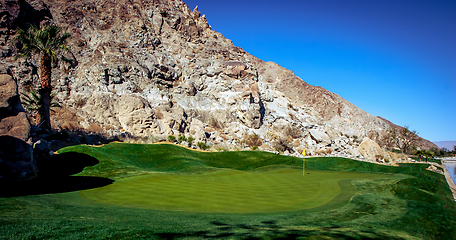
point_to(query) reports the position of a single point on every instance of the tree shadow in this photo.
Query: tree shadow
(54, 176)
(271, 230)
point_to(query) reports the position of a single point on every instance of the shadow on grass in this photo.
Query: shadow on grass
(54, 176)
(271, 230)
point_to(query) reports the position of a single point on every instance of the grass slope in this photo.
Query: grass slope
(119, 160)
(409, 204)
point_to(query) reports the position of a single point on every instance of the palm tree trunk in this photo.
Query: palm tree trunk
(38, 119)
(46, 88)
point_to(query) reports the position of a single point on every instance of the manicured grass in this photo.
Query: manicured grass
(119, 160)
(406, 202)
(230, 191)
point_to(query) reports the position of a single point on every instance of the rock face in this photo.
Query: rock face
(155, 68)
(16, 155)
(370, 150)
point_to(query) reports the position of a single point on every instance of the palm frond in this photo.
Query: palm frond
(67, 60)
(47, 40)
(33, 101)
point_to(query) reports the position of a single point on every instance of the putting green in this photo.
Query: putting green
(230, 191)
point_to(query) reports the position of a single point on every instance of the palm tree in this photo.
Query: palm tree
(420, 153)
(428, 154)
(48, 43)
(33, 103)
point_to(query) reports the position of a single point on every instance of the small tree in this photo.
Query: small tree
(252, 140)
(171, 138)
(428, 154)
(190, 140)
(419, 153)
(402, 138)
(283, 144)
(181, 139)
(203, 145)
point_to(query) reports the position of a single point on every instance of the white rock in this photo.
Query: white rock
(320, 136)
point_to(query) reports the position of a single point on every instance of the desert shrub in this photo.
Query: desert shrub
(158, 114)
(216, 124)
(181, 139)
(152, 139)
(171, 138)
(95, 128)
(190, 140)
(375, 136)
(270, 135)
(72, 126)
(293, 131)
(221, 148)
(396, 151)
(252, 140)
(79, 103)
(282, 144)
(254, 148)
(203, 145)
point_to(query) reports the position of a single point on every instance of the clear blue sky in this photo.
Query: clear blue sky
(392, 58)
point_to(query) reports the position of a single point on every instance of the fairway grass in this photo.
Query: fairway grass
(229, 191)
(134, 191)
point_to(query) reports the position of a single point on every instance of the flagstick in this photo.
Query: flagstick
(303, 162)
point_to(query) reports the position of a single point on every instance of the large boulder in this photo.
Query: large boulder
(370, 150)
(16, 154)
(319, 136)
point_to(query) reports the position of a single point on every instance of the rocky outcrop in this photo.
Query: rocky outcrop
(370, 150)
(16, 154)
(155, 68)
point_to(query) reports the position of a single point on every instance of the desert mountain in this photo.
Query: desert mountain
(155, 68)
(446, 144)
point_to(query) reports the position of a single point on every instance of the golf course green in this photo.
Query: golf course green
(229, 191)
(164, 191)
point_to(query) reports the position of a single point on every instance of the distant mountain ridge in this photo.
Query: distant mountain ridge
(446, 144)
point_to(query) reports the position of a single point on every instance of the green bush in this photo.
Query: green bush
(221, 148)
(254, 147)
(190, 140)
(203, 145)
(181, 139)
(171, 138)
(396, 151)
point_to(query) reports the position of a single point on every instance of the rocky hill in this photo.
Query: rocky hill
(422, 143)
(154, 68)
